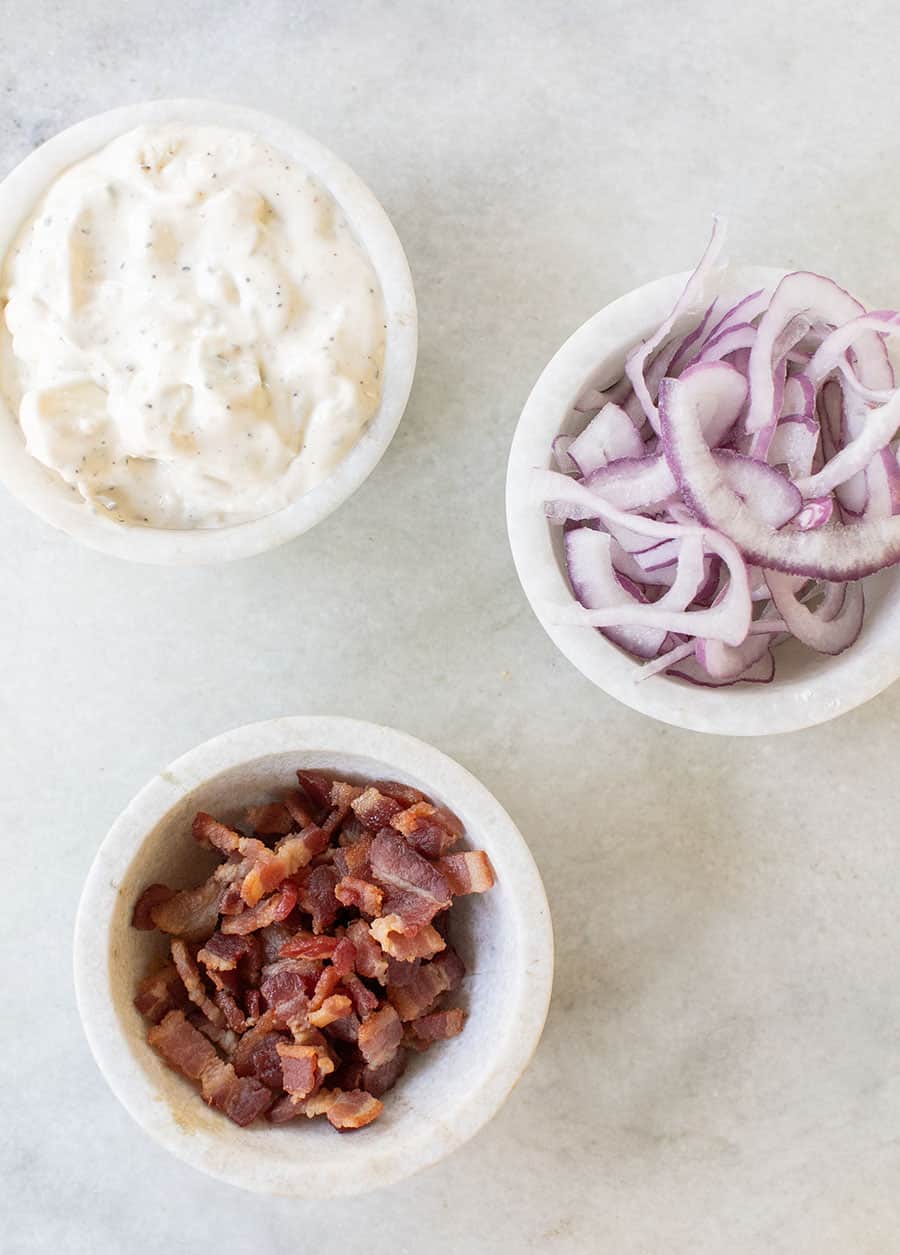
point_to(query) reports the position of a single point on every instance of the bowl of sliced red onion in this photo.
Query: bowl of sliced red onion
(703, 499)
(181, 1068)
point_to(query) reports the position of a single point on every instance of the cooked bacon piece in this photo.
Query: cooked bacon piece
(340, 798)
(429, 980)
(353, 1109)
(271, 910)
(366, 897)
(388, 932)
(419, 890)
(439, 1025)
(209, 832)
(181, 1045)
(305, 945)
(380, 1036)
(319, 1104)
(160, 993)
(228, 1005)
(353, 860)
(316, 786)
(272, 819)
(344, 958)
(298, 809)
(357, 1074)
(352, 832)
(256, 1055)
(224, 1038)
(312, 1037)
(241, 1098)
(223, 951)
(271, 867)
(335, 1007)
(470, 872)
(370, 960)
(252, 1005)
(299, 1069)
(272, 938)
(285, 1109)
(364, 1001)
(374, 810)
(285, 988)
(430, 830)
(193, 982)
(316, 897)
(405, 794)
(345, 1029)
(193, 913)
(154, 894)
(325, 987)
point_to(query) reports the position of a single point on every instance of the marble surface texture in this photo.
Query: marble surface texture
(721, 1067)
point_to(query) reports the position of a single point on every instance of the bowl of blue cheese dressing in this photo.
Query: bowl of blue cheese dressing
(207, 332)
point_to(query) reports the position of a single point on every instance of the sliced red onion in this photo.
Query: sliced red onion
(686, 303)
(828, 631)
(848, 553)
(609, 436)
(596, 585)
(745, 457)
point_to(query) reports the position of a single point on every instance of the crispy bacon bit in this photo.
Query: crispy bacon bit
(470, 872)
(325, 987)
(374, 810)
(285, 988)
(366, 897)
(193, 913)
(151, 897)
(317, 787)
(405, 794)
(353, 860)
(272, 819)
(299, 1069)
(357, 1074)
(305, 945)
(278, 952)
(388, 932)
(276, 907)
(419, 889)
(298, 809)
(429, 980)
(353, 1109)
(160, 993)
(380, 1036)
(228, 1005)
(189, 972)
(344, 958)
(370, 961)
(430, 830)
(335, 1007)
(439, 1025)
(364, 1001)
(316, 897)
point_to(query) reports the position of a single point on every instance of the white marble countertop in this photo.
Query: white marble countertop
(720, 1067)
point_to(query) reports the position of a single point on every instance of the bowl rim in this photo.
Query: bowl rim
(129, 1081)
(745, 710)
(36, 487)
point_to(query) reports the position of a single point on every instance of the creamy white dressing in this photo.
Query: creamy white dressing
(192, 335)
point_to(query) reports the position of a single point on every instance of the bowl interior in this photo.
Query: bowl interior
(52, 499)
(808, 687)
(444, 1095)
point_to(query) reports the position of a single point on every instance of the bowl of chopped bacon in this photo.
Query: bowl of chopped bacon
(310, 927)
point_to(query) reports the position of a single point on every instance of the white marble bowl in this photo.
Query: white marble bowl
(446, 1095)
(48, 496)
(808, 688)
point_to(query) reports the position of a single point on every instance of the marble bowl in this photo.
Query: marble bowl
(48, 496)
(446, 1095)
(808, 688)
